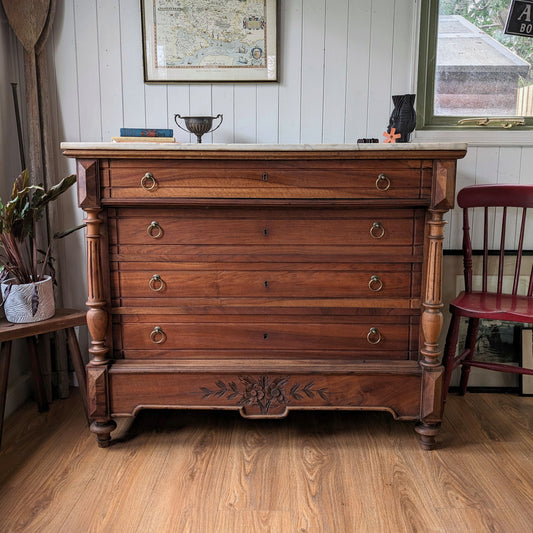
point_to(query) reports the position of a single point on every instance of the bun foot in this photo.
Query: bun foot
(103, 432)
(427, 434)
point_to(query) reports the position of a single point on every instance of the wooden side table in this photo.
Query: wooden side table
(65, 319)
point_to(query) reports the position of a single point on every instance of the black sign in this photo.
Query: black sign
(520, 19)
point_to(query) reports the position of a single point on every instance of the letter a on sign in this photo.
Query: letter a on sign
(519, 21)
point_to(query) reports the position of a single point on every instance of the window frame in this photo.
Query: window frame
(427, 63)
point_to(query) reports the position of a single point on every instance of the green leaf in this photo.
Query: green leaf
(56, 191)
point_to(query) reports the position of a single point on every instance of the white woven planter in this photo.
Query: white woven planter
(18, 307)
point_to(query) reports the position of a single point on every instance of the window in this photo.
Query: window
(470, 71)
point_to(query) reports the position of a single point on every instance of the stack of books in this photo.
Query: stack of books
(135, 135)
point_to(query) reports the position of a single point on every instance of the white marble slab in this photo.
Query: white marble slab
(258, 147)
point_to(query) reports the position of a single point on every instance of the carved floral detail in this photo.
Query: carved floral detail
(263, 392)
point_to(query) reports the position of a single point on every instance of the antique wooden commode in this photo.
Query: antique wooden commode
(265, 278)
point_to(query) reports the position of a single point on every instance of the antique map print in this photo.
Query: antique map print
(210, 40)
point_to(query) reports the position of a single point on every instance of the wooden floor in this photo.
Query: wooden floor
(207, 472)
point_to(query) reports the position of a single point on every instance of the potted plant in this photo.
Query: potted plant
(27, 274)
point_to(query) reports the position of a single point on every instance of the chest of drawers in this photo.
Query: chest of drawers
(265, 278)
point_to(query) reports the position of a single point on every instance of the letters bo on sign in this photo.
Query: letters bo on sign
(520, 19)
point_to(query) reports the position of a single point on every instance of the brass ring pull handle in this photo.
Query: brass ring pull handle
(375, 284)
(158, 336)
(154, 230)
(156, 283)
(373, 336)
(377, 230)
(148, 182)
(382, 183)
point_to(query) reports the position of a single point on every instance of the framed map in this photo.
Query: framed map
(210, 40)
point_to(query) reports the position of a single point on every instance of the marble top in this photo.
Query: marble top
(258, 147)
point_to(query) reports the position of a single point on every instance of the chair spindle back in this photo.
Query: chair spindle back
(499, 196)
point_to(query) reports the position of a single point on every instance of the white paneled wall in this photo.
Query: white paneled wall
(491, 164)
(338, 69)
(340, 62)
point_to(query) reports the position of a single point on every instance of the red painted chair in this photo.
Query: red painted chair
(485, 304)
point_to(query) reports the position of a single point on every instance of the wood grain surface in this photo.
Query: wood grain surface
(312, 472)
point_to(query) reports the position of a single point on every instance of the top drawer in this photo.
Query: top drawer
(374, 179)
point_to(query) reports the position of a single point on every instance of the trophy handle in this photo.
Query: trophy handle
(176, 116)
(219, 124)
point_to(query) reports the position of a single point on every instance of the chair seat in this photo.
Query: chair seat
(493, 306)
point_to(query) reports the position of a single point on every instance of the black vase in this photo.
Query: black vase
(403, 116)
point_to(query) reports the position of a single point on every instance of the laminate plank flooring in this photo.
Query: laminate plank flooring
(207, 472)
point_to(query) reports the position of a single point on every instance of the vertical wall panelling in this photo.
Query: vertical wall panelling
(357, 69)
(526, 176)
(290, 71)
(63, 40)
(403, 53)
(466, 175)
(155, 101)
(245, 113)
(223, 103)
(312, 67)
(509, 161)
(492, 164)
(73, 122)
(109, 45)
(267, 113)
(178, 103)
(340, 61)
(200, 99)
(200, 105)
(88, 69)
(335, 42)
(131, 66)
(486, 172)
(508, 172)
(381, 45)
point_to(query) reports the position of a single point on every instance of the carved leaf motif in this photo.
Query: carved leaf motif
(307, 390)
(236, 393)
(206, 392)
(294, 392)
(323, 393)
(263, 392)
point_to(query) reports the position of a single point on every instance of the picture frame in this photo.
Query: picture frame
(194, 41)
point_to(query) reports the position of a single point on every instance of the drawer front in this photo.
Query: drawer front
(264, 179)
(373, 230)
(364, 280)
(163, 336)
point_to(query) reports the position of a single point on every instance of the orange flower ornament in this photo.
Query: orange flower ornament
(392, 136)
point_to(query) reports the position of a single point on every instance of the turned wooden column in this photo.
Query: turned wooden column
(443, 193)
(97, 314)
(97, 317)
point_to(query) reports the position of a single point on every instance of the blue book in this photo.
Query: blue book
(146, 132)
